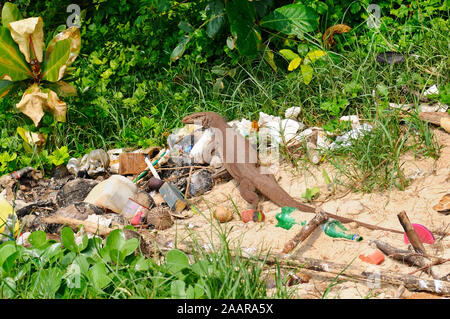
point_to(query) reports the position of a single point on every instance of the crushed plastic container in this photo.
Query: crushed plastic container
(112, 193)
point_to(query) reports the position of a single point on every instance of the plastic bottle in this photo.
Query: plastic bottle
(112, 193)
(330, 226)
(285, 220)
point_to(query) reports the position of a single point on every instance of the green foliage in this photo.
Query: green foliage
(293, 19)
(310, 194)
(241, 15)
(15, 68)
(130, 91)
(116, 268)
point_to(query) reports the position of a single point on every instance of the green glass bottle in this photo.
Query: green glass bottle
(330, 228)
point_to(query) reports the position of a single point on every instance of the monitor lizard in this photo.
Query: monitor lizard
(247, 174)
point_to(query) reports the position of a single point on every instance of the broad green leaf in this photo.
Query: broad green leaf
(8, 287)
(68, 239)
(313, 56)
(37, 239)
(199, 291)
(128, 247)
(307, 73)
(289, 54)
(141, 264)
(13, 66)
(46, 282)
(5, 252)
(10, 13)
(269, 58)
(294, 64)
(5, 87)
(177, 289)
(9, 263)
(179, 49)
(84, 242)
(51, 251)
(214, 11)
(56, 63)
(99, 275)
(115, 239)
(82, 264)
(190, 294)
(292, 19)
(176, 260)
(241, 15)
(73, 35)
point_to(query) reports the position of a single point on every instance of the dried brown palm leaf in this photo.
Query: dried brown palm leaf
(328, 36)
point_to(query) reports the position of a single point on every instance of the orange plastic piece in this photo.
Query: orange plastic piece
(375, 258)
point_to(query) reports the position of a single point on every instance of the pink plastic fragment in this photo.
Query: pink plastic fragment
(425, 235)
(136, 220)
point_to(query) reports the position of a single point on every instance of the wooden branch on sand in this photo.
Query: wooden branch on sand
(305, 232)
(411, 233)
(346, 220)
(89, 226)
(411, 282)
(404, 256)
(409, 258)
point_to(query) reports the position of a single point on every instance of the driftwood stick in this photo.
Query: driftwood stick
(366, 225)
(287, 260)
(89, 226)
(404, 256)
(410, 282)
(305, 232)
(437, 262)
(409, 258)
(411, 233)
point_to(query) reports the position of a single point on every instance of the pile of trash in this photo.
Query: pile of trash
(145, 186)
(150, 188)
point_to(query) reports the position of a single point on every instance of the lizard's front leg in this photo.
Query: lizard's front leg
(248, 192)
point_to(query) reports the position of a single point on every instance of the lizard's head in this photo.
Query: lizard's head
(206, 119)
